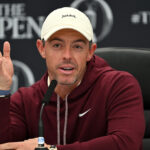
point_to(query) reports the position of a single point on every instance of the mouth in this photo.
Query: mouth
(66, 70)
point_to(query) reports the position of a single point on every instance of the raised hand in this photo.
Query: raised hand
(6, 68)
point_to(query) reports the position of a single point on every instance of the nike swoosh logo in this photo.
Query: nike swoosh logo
(84, 113)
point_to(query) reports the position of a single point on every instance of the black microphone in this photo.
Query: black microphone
(49, 92)
(45, 101)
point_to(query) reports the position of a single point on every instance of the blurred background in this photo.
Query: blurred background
(116, 23)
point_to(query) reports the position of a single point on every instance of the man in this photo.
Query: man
(93, 106)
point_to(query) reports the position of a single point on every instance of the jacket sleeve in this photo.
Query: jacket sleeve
(4, 118)
(12, 119)
(125, 119)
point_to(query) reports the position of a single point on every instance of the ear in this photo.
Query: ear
(91, 51)
(40, 48)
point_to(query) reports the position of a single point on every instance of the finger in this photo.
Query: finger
(33, 140)
(6, 49)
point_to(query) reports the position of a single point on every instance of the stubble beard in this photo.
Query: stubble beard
(68, 81)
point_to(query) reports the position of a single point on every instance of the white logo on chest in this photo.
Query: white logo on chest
(84, 113)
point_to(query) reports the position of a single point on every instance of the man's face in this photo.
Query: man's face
(66, 53)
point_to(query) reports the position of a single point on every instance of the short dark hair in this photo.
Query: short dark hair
(90, 44)
(43, 41)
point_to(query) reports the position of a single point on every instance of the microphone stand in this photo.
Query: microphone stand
(41, 140)
(45, 101)
(41, 127)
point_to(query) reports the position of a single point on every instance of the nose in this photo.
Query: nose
(67, 53)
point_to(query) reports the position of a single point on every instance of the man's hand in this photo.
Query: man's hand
(6, 68)
(30, 144)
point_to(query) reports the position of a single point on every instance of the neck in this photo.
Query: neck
(64, 90)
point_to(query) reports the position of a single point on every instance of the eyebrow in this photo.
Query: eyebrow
(55, 39)
(61, 40)
(80, 40)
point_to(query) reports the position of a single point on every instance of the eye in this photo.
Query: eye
(77, 46)
(57, 45)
